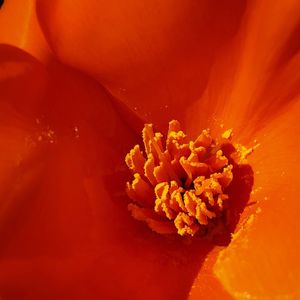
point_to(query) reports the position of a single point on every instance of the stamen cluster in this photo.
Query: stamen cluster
(180, 185)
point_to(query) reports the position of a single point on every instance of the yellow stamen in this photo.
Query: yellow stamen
(135, 160)
(182, 186)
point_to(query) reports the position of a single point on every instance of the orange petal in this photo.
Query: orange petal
(256, 74)
(206, 285)
(22, 80)
(262, 261)
(20, 28)
(21, 84)
(153, 55)
(65, 230)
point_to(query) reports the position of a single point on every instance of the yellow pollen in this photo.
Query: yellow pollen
(227, 134)
(180, 186)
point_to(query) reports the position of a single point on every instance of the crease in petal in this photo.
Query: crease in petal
(150, 54)
(250, 74)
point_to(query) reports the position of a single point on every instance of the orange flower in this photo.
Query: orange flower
(64, 227)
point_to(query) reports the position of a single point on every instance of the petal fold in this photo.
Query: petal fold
(154, 56)
(20, 28)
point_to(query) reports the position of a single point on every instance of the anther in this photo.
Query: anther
(181, 187)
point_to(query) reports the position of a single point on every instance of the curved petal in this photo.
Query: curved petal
(65, 230)
(267, 36)
(262, 260)
(256, 75)
(155, 56)
(20, 28)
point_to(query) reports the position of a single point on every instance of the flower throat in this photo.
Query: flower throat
(181, 186)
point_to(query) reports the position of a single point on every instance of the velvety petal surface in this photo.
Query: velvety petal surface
(155, 56)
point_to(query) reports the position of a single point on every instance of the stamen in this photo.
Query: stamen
(135, 160)
(182, 187)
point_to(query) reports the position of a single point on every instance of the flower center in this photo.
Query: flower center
(180, 186)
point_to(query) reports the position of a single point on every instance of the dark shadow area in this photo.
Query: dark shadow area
(17, 193)
(239, 194)
(292, 46)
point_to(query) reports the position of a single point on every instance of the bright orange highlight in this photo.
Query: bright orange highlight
(180, 186)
